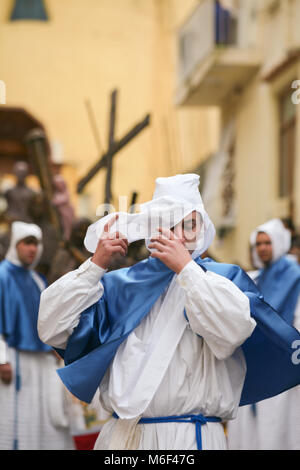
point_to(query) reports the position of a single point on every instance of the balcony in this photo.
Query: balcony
(215, 57)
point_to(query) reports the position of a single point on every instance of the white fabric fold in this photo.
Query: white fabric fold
(217, 309)
(132, 388)
(57, 406)
(126, 435)
(4, 351)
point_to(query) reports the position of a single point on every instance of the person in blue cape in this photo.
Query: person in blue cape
(273, 424)
(174, 343)
(31, 397)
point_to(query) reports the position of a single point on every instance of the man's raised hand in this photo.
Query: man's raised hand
(109, 245)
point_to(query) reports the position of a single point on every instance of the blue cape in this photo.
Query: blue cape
(19, 307)
(280, 285)
(130, 293)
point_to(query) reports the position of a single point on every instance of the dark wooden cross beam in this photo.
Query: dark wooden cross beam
(111, 138)
(114, 146)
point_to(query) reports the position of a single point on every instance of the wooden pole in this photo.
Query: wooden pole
(111, 137)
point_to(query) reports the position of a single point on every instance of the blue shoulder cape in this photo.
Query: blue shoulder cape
(130, 293)
(280, 285)
(19, 306)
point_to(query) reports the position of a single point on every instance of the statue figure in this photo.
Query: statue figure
(18, 197)
(61, 200)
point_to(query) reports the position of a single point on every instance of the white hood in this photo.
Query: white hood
(174, 198)
(280, 238)
(19, 231)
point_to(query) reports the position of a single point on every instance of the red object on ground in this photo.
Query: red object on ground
(86, 441)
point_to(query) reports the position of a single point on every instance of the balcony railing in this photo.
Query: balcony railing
(214, 54)
(208, 27)
(225, 26)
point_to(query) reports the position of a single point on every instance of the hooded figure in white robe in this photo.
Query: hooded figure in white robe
(272, 424)
(170, 364)
(166, 340)
(31, 396)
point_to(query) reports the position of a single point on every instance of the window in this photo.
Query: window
(287, 137)
(228, 192)
(29, 10)
(225, 25)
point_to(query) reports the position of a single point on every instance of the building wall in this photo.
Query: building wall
(87, 49)
(257, 133)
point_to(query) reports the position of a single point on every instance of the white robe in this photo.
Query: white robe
(276, 425)
(36, 416)
(188, 375)
(41, 422)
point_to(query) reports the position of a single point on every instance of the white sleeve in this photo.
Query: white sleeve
(63, 301)
(4, 351)
(216, 309)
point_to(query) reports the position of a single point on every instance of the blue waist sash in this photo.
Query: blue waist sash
(198, 420)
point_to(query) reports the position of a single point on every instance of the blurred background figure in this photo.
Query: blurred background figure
(19, 196)
(295, 249)
(273, 424)
(32, 399)
(86, 421)
(137, 251)
(72, 252)
(5, 225)
(61, 200)
(37, 210)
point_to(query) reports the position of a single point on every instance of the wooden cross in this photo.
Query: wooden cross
(114, 146)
